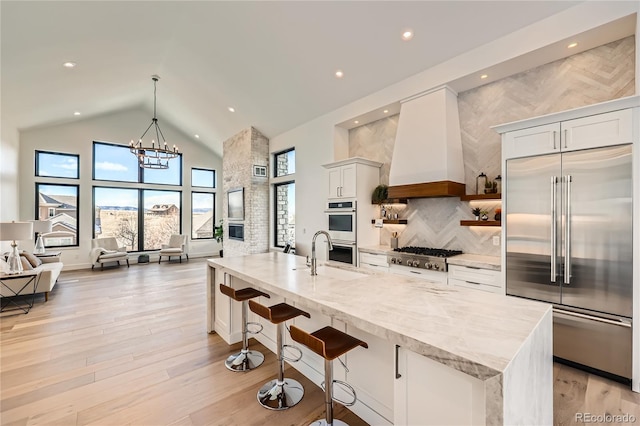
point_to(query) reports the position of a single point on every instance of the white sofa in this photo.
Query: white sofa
(48, 273)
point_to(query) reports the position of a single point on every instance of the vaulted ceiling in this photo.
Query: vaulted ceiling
(274, 62)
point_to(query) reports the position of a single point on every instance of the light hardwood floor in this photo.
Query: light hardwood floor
(128, 346)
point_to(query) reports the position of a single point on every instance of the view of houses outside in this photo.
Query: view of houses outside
(116, 215)
(59, 204)
(202, 220)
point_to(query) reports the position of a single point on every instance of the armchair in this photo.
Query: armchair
(177, 247)
(107, 250)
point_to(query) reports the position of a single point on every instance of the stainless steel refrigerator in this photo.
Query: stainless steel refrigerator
(569, 242)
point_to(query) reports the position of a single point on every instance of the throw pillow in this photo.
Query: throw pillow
(4, 266)
(26, 266)
(33, 259)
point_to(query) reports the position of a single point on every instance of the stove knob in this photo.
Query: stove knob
(436, 267)
(408, 262)
(428, 265)
(392, 260)
(415, 263)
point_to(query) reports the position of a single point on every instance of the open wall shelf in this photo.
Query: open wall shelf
(392, 221)
(480, 223)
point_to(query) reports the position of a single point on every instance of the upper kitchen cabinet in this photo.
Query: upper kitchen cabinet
(352, 178)
(591, 131)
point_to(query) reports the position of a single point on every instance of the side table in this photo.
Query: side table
(30, 277)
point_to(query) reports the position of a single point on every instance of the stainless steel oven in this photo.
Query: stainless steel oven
(344, 251)
(341, 220)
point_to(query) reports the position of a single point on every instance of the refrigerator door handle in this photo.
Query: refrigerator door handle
(619, 323)
(554, 230)
(567, 234)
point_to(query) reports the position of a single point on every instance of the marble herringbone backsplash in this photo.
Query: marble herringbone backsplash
(597, 75)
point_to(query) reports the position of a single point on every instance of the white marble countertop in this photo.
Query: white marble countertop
(376, 249)
(476, 261)
(474, 332)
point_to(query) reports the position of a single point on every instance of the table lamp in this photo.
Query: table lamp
(15, 231)
(40, 227)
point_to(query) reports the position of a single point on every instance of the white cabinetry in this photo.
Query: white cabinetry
(374, 261)
(342, 181)
(430, 393)
(352, 178)
(475, 278)
(371, 373)
(612, 128)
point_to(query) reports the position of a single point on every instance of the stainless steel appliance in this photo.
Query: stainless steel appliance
(421, 262)
(342, 221)
(569, 242)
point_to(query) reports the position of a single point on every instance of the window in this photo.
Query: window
(203, 216)
(203, 178)
(58, 204)
(117, 163)
(117, 213)
(285, 213)
(56, 164)
(285, 163)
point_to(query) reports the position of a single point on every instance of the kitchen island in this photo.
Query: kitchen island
(444, 355)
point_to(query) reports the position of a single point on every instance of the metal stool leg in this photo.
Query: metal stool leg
(244, 360)
(281, 393)
(328, 399)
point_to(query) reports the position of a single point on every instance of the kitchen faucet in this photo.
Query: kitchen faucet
(313, 250)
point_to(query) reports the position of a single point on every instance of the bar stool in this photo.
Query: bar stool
(244, 360)
(329, 343)
(280, 393)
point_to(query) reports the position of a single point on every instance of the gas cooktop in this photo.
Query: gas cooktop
(427, 251)
(422, 257)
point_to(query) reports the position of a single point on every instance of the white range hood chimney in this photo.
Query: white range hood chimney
(427, 155)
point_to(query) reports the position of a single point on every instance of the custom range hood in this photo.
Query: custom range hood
(427, 155)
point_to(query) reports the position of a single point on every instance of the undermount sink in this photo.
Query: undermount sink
(333, 272)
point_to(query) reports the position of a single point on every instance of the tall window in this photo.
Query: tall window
(284, 192)
(57, 164)
(203, 217)
(140, 219)
(59, 205)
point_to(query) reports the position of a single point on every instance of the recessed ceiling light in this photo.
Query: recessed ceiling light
(355, 121)
(196, 136)
(231, 109)
(69, 64)
(574, 44)
(407, 35)
(385, 111)
(76, 113)
(339, 74)
(483, 76)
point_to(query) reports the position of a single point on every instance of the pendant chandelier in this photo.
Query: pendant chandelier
(157, 155)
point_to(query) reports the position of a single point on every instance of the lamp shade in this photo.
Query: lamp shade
(41, 226)
(15, 231)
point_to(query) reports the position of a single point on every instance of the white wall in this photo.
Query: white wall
(8, 179)
(316, 142)
(77, 138)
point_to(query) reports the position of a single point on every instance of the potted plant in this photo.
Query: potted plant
(476, 211)
(485, 215)
(490, 187)
(218, 234)
(379, 196)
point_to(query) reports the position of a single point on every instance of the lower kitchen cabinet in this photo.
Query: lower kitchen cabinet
(430, 393)
(371, 373)
(475, 278)
(374, 261)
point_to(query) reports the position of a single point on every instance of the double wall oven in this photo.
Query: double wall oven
(342, 220)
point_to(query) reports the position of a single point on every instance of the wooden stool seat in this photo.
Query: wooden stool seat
(242, 294)
(277, 313)
(327, 342)
(244, 360)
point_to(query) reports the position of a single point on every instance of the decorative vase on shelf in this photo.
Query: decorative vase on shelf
(485, 217)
